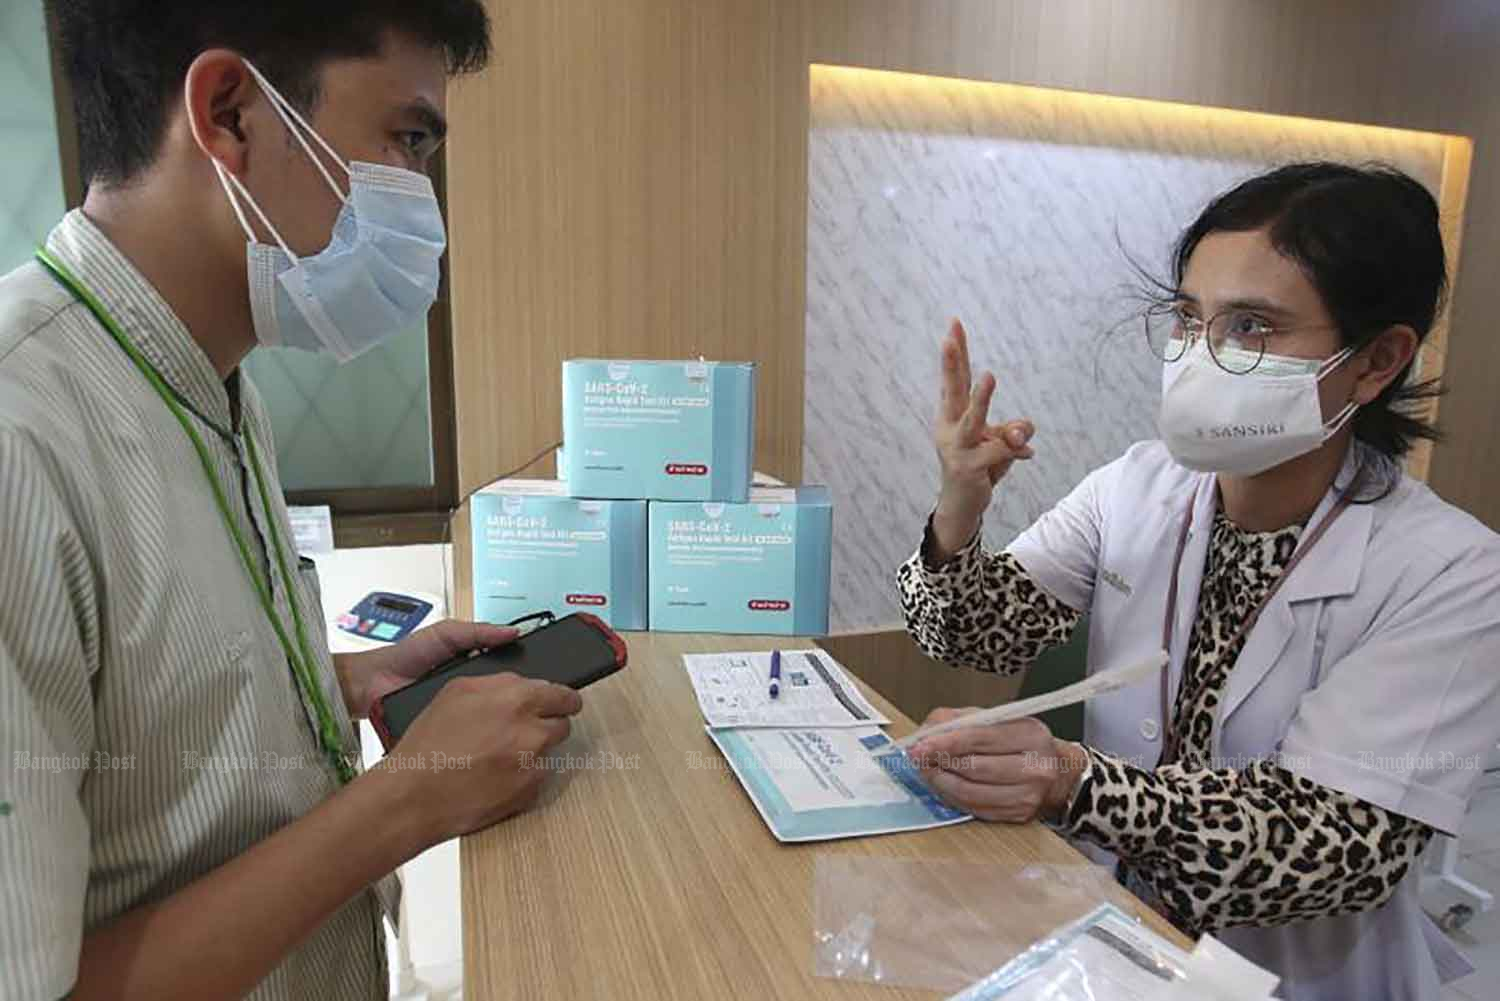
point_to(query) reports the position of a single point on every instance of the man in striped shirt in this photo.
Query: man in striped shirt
(178, 816)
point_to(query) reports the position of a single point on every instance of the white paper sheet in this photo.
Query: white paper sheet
(733, 689)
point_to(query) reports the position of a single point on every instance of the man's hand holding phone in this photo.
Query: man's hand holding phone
(470, 758)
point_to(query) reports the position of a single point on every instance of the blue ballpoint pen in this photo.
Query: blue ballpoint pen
(775, 673)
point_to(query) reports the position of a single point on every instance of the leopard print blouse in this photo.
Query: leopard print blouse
(1215, 847)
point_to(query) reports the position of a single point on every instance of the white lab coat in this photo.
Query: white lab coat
(1375, 670)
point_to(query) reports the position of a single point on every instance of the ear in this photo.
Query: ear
(1385, 358)
(216, 93)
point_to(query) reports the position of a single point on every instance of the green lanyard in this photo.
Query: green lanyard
(301, 659)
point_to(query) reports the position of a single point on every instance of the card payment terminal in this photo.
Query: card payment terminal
(385, 616)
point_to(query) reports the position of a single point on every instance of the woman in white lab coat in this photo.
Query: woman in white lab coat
(1333, 627)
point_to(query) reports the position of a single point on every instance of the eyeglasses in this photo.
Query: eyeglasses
(1236, 337)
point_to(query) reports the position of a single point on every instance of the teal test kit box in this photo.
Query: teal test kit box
(761, 567)
(537, 549)
(663, 430)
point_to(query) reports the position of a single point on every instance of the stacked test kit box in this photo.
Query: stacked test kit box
(655, 523)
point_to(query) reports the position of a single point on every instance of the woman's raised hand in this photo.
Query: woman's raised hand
(974, 454)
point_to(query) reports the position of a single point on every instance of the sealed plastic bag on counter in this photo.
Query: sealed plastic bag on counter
(1105, 954)
(1109, 955)
(940, 924)
(1216, 972)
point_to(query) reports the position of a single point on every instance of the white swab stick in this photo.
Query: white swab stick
(1091, 687)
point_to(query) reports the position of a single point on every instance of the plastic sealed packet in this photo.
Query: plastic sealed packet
(939, 924)
(1108, 954)
(1105, 954)
(1216, 972)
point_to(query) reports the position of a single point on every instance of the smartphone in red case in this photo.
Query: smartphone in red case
(576, 650)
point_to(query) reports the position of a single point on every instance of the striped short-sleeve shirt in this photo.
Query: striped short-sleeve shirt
(151, 728)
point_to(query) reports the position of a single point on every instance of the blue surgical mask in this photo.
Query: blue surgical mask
(377, 277)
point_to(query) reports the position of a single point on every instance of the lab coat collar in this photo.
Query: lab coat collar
(1332, 570)
(144, 316)
(1316, 576)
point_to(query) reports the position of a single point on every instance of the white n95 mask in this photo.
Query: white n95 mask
(1216, 422)
(377, 277)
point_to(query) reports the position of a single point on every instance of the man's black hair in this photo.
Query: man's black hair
(126, 59)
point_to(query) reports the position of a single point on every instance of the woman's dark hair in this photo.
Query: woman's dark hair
(1368, 239)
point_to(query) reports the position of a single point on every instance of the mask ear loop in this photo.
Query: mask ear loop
(291, 118)
(1335, 360)
(1345, 415)
(225, 179)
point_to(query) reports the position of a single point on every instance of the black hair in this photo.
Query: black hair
(1369, 241)
(126, 59)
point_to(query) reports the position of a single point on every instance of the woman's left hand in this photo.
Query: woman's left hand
(1013, 772)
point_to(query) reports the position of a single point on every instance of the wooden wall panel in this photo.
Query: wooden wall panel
(463, 577)
(1457, 85)
(628, 181)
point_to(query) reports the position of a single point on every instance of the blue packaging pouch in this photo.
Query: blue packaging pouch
(821, 784)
